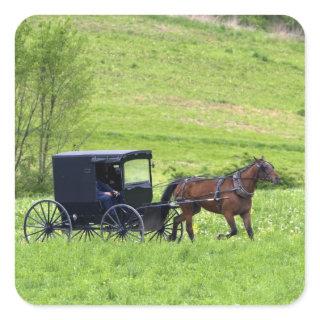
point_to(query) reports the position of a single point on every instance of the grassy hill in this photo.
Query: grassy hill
(206, 99)
(203, 97)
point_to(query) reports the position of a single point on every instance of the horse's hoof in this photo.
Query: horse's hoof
(171, 238)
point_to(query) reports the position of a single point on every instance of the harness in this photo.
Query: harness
(217, 194)
(238, 186)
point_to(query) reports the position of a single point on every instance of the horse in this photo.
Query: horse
(231, 195)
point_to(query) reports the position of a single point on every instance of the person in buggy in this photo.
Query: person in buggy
(105, 193)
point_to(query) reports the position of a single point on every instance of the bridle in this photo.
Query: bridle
(237, 180)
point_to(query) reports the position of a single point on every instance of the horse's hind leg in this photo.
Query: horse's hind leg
(176, 220)
(189, 227)
(233, 227)
(247, 224)
(187, 212)
(185, 215)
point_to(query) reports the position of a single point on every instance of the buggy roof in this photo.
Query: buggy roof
(106, 155)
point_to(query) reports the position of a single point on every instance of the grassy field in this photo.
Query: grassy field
(269, 270)
(205, 98)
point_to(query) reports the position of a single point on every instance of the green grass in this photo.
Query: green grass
(269, 270)
(204, 98)
(198, 94)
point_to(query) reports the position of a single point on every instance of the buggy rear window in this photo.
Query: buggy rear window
(136, 171)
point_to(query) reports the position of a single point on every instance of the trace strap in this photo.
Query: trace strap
(217, 194)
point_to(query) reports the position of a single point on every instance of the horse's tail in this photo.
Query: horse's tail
(167, 194)
(168, 191)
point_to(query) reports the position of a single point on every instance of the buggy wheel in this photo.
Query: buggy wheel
(46, 219)
(165, 231)
(122, 222)
(86, 232)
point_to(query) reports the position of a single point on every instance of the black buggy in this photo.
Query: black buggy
(76, 212)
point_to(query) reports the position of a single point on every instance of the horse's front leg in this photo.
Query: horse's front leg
(233, 227)
(247, 224)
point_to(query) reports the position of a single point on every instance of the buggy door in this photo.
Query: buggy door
(137, 189)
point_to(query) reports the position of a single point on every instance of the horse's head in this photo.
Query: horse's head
(266, 171)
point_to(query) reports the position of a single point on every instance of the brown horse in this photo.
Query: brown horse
(229, 195)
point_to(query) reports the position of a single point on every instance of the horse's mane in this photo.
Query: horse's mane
(208, 177)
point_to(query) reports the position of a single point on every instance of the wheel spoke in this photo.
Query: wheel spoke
(31, 226)
(111, 235)
(44, 237)
(124, 211)
(120, 224)
(133, 235)
(95, 232)
(132, 225)
(43, 232)
(155, 233)
(170, 217)
(36, 221)
(168, 224)
(30, 234)
(61, 225)
(82, 233)
(91, 234)
(108, 226)
(55, 232)
(49, 207)
(117, 236)
(116, 224)
(56, 219)
(76, 233)
(53, 214)
(39, 216)
(131, 219)
(43, 212)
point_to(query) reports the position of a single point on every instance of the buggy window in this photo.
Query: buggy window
(136, 171)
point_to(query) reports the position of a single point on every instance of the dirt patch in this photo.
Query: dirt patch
(226, 124)
(276, 30)
(201, 105)
(225, 114)
(167, 29)
(244, 126)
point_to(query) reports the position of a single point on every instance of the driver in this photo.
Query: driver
(105, 194)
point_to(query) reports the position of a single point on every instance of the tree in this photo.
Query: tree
(52, 87)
